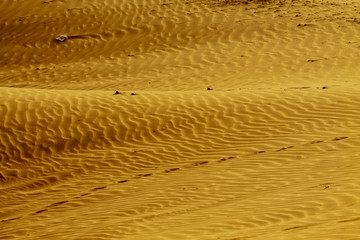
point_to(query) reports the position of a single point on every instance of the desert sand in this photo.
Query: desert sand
(233, 119)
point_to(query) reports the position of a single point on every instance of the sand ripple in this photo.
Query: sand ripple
(231, 120)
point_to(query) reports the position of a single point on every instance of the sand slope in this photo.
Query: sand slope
(271, 152)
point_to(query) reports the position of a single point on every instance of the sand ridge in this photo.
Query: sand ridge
(232, 120)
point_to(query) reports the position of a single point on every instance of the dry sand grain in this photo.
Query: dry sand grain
(233, 119)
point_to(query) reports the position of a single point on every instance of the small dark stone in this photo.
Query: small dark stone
(117, 92)
(132, 93)
(37, 68)
(323, 87)
(209, 88)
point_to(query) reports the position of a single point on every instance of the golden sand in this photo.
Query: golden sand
(233, 120)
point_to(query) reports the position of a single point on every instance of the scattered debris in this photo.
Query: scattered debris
(62, 38)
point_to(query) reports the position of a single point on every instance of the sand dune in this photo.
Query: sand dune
(233, 120)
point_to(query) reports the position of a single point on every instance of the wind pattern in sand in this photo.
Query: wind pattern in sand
(233, 119)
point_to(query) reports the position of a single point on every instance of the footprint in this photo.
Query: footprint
(40, 211)
(339, 138)
(123, 181)
(200, 163)
(284, 148)
(281, 149)
(144, 175)
(350, 220)
(296, 227)
(58, 203)
(98, 188)
(224, 159)
(11, 219)
(172, 170)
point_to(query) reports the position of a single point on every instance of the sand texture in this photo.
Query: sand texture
(233, 119)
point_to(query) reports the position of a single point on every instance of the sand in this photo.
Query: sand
(233, 120)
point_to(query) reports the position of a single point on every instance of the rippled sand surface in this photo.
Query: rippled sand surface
(233, 119)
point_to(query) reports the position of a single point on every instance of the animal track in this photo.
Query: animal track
(224, 159)
(98, 188)
(123, 181)
(296, 227)
(40, 211)
(200, 163)
(339, 138)
(144, 175)
(58, 203)
(11, 219)
(50, 206)
(196, 164)
(284, 148)
(312, 142)
(350, 220)
(171, 170)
